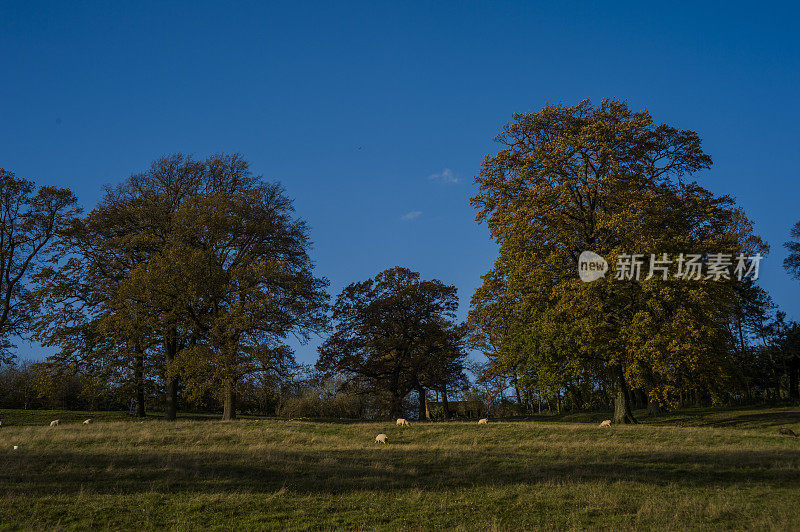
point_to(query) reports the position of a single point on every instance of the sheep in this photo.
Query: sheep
(403, 423)
(787, 432)
(483, 421)
(382, 438)
(55, 422)
(16, 447)
(88, 421)
(606, 423)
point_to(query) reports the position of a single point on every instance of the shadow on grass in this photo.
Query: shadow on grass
(384, 468)
(716, 418)
(751, 417)
(757, 420)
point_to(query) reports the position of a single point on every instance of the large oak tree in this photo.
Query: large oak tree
(608, 180)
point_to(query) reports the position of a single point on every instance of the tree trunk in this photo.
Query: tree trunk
(527, 401)
(622, 402)
(171, 400)
(516, 389)
(423, 408)
(445, 406)
(794, 376)
(577, 398)
(644, 399)
(396, 405)
(229, 403)
(654, 408)
(138, 376)
(741, 332)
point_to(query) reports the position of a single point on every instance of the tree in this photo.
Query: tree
(792, 261)
(195, 270)
(490, 325)
(791, 352)
(389, 330)
(782, 346)
(608, 180)
(249, 283)
(30, 220)
(441, 363)
(141, 214)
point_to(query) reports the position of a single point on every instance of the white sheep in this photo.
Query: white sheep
(55, 422)
(606, 423)
(483, 421)
(88, 421)
(381, 438)
(16, 447)
(403, 423)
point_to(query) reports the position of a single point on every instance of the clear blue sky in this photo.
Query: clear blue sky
(353, 106)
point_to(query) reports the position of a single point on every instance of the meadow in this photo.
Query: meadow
(699, 468)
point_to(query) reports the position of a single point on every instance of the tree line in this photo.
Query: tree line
(184, 285)
(190, 278)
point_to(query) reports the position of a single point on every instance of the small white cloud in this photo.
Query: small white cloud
(413, 215)
(445, 176)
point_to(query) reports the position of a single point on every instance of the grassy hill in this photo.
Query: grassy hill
(720, 469)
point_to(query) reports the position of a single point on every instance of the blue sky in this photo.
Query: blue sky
(354, 106)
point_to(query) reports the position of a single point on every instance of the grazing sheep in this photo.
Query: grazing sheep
(606, 423)
(786, 432)
(381, 438)
(55, 422)
(88, 421)
(483, 421)
(403, 423)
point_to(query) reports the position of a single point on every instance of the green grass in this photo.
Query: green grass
(733, 472)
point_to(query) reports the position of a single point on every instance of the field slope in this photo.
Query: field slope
(292, 474)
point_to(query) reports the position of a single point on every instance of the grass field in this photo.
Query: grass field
(700, 468)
